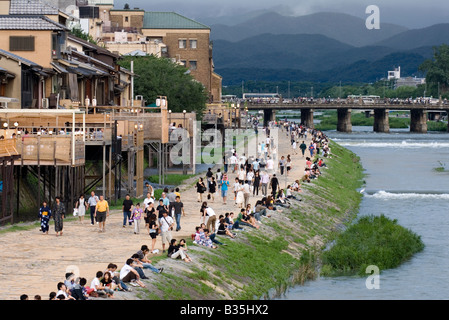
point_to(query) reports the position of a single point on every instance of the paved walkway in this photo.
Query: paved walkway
(33, 263)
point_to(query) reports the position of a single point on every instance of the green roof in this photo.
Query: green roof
(169, 20)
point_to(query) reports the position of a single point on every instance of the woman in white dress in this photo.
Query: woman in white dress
(81, 205)
(240, 199)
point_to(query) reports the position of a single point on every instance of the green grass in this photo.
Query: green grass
(372, 240)
(171, 179)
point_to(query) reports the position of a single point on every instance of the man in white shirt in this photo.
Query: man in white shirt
(167, 223)
(212, 219)
(264, 180)
(233, 162)
(129, 274)
(148, 200)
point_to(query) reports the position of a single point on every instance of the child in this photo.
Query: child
(136, 216)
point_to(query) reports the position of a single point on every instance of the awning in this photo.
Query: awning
(58, 68)
(7, 73)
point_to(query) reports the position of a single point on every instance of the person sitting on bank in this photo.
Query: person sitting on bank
(176, 251)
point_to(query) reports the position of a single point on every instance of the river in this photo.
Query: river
(401, 183)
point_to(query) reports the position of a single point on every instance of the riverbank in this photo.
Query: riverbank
(263, 263)
(258, 263)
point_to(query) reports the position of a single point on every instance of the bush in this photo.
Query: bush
(373, 240)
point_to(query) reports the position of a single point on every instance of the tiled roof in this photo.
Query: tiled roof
(28, 22)
(31, 7)
(18, 58)
(169, 20)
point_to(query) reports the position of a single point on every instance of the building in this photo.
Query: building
(394, 74)
(163, 34)
(409, 82)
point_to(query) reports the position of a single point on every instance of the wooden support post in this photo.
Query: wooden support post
(104, 169)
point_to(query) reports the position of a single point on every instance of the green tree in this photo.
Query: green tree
(161, 77)
(77, 32)
(437, 70)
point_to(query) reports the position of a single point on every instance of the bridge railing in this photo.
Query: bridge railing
(393, 102)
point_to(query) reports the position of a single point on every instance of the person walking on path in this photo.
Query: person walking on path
(282, 165)
(92, 202)
(200, 189)
(44, 216)
(178, 210)
(274, 185)
(303, 148)
(81, 205)
(256, 183)
(58, 212)
(127, 208)
(101, 212)
(166, 228)
(136, 217)
(224, 187)
(311, 149)
(264, 180)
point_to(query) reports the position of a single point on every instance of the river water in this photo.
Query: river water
(401, 183)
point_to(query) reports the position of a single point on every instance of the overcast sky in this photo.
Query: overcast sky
(408, 13)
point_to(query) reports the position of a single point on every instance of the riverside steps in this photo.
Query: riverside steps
(419, 112)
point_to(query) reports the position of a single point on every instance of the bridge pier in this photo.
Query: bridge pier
(344, 120)
(418, 120)
(268, 115)
(307, 117)
(381, 121)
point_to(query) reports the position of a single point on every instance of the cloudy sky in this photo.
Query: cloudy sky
(408, 13)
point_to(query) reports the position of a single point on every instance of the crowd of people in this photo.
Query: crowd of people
(256, 177)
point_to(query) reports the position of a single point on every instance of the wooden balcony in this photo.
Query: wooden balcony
(51, 150)
(8, 148)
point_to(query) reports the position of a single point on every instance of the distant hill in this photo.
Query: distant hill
(339, 26)
(303, 51)
(430, 36)
(358, 71)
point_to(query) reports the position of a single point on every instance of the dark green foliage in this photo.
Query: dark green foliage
(80, 34)
(437, 70)
(372, 240)
(161, 77)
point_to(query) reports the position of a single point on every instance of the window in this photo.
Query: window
(193, 44)
(182, 43)
(21, 43)
(126, 19)
(193, 65)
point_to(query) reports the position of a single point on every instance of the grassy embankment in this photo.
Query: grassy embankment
(372, 240)
(283, 252)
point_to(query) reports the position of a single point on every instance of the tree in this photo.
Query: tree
(162, 77)
(437, 70)
(77, 32)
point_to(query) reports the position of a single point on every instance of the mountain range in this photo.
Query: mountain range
(319, 47)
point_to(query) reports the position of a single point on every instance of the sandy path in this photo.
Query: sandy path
(33, 263)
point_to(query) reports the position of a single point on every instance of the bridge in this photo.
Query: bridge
(418, 112)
